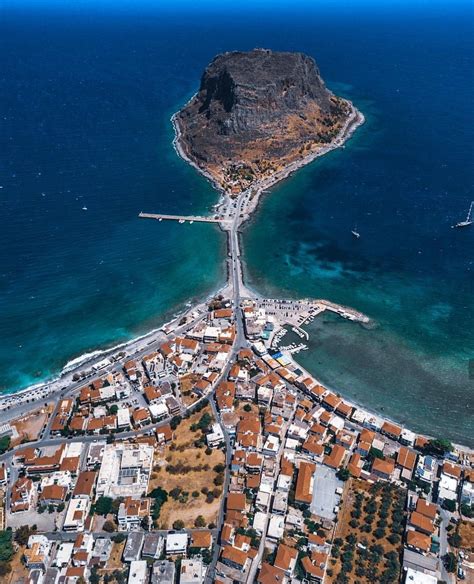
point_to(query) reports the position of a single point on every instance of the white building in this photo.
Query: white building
(176, 543)
(192, 572)
(276, 527)
(216, 436)
(158, 411)
(76, 514)
(125, 470)
(138, 572)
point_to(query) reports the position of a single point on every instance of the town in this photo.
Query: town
(215, 457)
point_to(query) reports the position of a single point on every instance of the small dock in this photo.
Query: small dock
(182, 218)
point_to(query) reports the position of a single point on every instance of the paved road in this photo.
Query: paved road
(240, 342)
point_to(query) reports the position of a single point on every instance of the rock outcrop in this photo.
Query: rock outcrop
(256, 112)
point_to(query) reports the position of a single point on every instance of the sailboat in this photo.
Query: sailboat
(468, 221)
(355, 233)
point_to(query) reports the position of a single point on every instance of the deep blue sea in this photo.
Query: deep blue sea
(87, 93)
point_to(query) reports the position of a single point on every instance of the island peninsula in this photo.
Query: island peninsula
(204, 444)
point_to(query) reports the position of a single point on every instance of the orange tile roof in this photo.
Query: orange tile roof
(391, 429)
(452, 470)
(429, 510)
(201, 539)
(421, 522)
(54, 493)
(419, 540)
(335, 459)
(303, 492)
(286, 556)
(383, 466)
(270, 574)
(331, 400)
(235, 502)
(406, 458)
(234, 555)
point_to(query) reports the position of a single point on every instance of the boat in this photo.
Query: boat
(468, 221)
(84, 208)
(355, 233)
(181, 221)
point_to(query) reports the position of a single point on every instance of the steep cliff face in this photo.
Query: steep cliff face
(257, 110)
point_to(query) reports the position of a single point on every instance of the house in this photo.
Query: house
(336, 458)
(37, 552)
(271, 575)
(427, 509)
(138, 573)
(22, 493)
(53, 495)
(419, 542)
(85, 484)
(176, 544)
(132, 513)
(201, 539)
(406, 460)
(192, 571)
(421, 523)
(164, 434)
(133, 548)
(163, 572)
(152, 394)
(141, 417)
(234, 558)
(153, 545)
(236, 502)
(315, 566)
(391, 430)
(286, 558)
(304, 483)
(76, 515)
(331, 401)
(215, 437)
(383, 468)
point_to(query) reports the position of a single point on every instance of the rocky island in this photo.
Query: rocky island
(258, 112)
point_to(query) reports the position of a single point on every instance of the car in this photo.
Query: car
(461, 574)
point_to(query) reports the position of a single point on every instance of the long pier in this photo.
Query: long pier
(182, 218)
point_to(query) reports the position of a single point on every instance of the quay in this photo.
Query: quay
(182, 218)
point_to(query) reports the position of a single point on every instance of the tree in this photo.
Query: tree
(94, 577)
(103, 506)
(247, 408)
(449, 505)
(178, 524)
(175, 493)
(113, 409)
(6, 547)
(450, 561)
(175, 422)
(439, 447)
(4, 444)
(109, 526)
(343, 474)
(455, 540)
(200, 521)
(119, 538)
(22, 534)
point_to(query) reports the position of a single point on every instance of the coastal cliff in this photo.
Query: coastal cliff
(255, 113)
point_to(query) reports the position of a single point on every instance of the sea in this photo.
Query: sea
(87, 91)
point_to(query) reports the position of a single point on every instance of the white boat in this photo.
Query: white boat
(355, 233)
(84, 208)
(468, 221)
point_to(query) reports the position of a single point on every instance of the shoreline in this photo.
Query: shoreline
(49, 387)
(92, 356)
